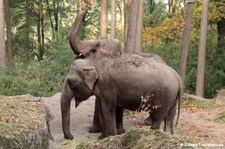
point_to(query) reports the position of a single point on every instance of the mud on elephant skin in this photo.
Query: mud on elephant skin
(137, 77)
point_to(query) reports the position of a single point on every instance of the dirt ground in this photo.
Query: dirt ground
(193, 123)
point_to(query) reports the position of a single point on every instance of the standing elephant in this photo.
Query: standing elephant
(96, 49)
(120, 83)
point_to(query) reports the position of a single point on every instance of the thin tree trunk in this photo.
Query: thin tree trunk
(221, 33)
(103, 20)
(56, 15)
(123, 21)
(185, 42)
(202, 50)
(27, 33)
(113, 19)
(132, 26)
(8, 30)
(2, 35)
(50, 18)
(173, 7)
(139, 37)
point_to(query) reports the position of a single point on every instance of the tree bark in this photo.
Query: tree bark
(202, 50)
(113, 19)
(221, 33)
(139, 37)
(173, 6)
(122, 21)
(132, 26)
(8, 30)
(2, 35)
(103, 20)
(27, 33)
(185, 42)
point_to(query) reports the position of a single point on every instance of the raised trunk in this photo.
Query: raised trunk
(74, 39)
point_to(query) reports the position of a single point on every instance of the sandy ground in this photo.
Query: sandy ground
(194, 124)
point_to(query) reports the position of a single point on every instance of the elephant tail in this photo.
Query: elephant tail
(179, 95)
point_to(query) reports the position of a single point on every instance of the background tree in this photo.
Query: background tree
(132, 26)
(113, 19)
(2, 35)
(202, 50)
(8, 30)
(139, 34)
(103, 20)
(185, 42)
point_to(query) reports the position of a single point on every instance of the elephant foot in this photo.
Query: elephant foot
(120, 131)
(69, 137)
(102, 136)
(148, 121)
(94, 129)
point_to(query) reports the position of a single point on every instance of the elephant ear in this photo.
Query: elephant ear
(90, 76)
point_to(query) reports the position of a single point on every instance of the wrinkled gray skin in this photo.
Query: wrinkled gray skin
(90, 49)
(119, 83)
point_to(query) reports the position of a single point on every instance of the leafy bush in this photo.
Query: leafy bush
(42, 78)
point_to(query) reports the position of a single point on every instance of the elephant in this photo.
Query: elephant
(121, 83)
(97, 49)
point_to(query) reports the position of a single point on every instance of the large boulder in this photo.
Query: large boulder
(23, 123)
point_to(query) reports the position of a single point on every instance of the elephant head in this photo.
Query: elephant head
(79, 84)
(96, 48)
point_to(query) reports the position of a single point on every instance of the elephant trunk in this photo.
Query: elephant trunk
(75, 42)
(66, 98)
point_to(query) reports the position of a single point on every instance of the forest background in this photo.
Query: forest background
(39, 56)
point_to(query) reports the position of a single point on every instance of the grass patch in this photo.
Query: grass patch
(195, 104)
(220, 119)
(137, 138)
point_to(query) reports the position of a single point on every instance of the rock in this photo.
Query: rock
(24, 123)
(139, 138)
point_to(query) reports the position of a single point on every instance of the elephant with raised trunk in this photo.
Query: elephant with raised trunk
(119, 83)
(91, 48)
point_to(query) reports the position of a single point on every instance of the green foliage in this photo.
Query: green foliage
(38, 78)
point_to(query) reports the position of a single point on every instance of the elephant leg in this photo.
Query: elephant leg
(107, 117)
(119, 120)
(155, 125)
(66, 98)
(96, 121)
(168, 121)
(148, 121)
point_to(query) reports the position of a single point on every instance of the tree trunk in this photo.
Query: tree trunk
(202, 50)
(8, 30)
(139, 37)
(2, 35)
(56, 14)
(103, 21)
(27, 34)
(185, 42)
(221, 33)
(50, 18)
(173, 6)
(132, 26)
(122, 21)
(113, 20)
